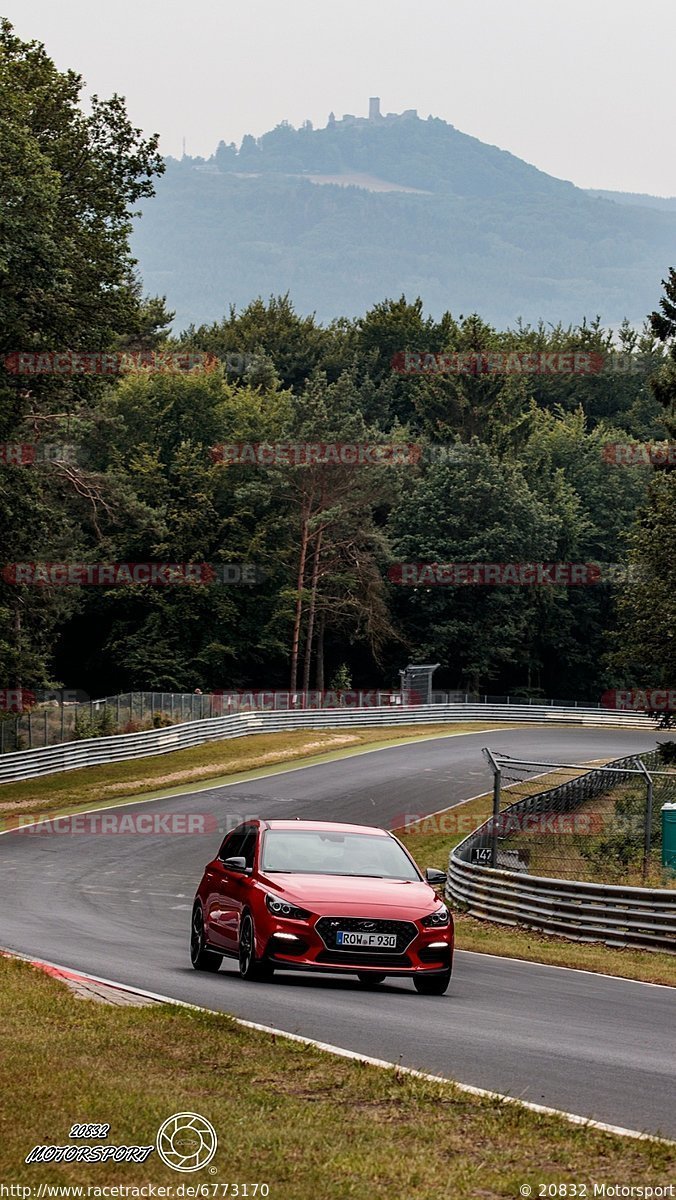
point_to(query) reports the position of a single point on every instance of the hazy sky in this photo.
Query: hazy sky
(583, 89)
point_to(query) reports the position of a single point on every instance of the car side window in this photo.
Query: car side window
(232, 844)
(248, 846)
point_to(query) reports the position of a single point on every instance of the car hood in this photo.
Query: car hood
(356, 895)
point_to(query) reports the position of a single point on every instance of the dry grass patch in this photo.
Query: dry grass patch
(214, 761)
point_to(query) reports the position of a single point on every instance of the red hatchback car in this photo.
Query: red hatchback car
(320, 896)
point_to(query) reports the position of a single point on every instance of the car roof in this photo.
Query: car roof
(331, 826)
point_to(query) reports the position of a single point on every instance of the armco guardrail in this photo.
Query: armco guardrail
(589, 912)
(68, 756)
(617, 915)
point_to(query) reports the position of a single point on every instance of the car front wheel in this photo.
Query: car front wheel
(248, 967)
(432, 985)
(201, 958)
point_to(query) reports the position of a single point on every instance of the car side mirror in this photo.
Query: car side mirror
(235, 864)
(434, 876)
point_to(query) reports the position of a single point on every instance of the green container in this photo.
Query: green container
(669, 836)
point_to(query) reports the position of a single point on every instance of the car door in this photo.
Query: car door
(219, 905)
(242, 884)
(229, 888)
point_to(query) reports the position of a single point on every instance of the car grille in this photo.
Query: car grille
(356, 958)
(327, 928)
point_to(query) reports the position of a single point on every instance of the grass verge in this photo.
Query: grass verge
(431, 840)
(485, 937)
(213, 762)
(306, 1123)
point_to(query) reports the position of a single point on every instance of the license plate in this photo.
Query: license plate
(376, 941)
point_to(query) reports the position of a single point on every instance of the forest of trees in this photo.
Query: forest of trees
(513, 467)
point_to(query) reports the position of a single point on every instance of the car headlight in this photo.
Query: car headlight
(282, 908)
(439, 917)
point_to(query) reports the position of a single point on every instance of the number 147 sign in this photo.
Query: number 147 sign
(482, 854)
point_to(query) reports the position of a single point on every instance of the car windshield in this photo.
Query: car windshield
(325, 852)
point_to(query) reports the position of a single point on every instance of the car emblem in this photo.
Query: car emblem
(367, 924)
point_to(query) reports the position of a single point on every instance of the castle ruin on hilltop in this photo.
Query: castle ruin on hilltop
(375, 116)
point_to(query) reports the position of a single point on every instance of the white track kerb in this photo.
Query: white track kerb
(341, 1052)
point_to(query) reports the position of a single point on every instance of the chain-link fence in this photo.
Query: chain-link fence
(598, 825)
(63, 719)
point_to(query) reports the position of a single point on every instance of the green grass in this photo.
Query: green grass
(485, 937)
(311, 1125)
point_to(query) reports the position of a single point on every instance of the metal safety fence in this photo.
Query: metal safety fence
(599, 826)
(61, 719)
(28, 726)
(579, 857)
(27, 764)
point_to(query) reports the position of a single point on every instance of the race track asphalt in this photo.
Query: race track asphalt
(118, 906)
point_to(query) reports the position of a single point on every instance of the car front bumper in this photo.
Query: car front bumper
(298, 946)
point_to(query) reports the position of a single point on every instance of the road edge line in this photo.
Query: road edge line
(534, 962)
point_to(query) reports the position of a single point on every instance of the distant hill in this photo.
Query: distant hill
(345, 216)
(665, 203)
